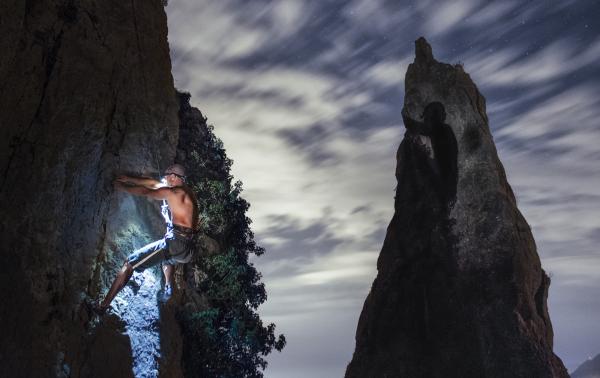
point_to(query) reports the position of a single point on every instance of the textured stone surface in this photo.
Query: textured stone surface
(460, 291)
(107, 352)
(86, 93)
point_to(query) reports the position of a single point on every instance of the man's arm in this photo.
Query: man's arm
(416, 127)
(161, 193)
(147, 182)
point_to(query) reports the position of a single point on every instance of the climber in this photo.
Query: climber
(441, 145)
(177, 244)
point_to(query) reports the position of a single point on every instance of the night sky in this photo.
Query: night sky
(306, 96)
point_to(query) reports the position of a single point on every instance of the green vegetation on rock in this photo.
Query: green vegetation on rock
(223, 333)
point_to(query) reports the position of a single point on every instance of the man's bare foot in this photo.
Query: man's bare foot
(166, 294)
(97, 308)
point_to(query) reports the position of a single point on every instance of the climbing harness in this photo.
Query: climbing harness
(164, 208)
(166, 214)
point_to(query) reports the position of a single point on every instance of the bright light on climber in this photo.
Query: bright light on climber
(180, 211)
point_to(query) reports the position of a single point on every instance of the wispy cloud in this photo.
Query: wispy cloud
(388, 15)
(488, 14)
(578, 271)
(564, 126)
(229, 30)
(446, 16)
(515, 66)
(388, 73)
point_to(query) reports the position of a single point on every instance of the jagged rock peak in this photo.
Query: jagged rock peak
(423, 51)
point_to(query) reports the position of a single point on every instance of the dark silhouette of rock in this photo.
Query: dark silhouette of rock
(86, 93)
(588, 369)
(460, 291)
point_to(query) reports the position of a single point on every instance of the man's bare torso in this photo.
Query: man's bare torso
(183, 206)
(180, 198)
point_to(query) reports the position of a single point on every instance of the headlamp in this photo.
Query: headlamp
(173, 173)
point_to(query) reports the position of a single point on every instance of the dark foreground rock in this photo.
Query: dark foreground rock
(460, 291)
(86, 93)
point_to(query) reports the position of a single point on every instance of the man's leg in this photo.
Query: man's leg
(119, 283)
(147, 256)
(168, 272)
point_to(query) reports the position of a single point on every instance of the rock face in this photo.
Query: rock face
(460, 291)
(86, 93)
(588, 369)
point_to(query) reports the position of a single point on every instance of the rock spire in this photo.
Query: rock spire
(460, 291)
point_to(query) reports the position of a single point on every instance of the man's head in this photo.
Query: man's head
(175, 175)
(434, 113)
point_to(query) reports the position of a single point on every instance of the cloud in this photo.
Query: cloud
(312, 142)
(445, 16)
(388, 15)
(577, 271)
(231, 30)
(489, 14)
(304, 97)
(388, 72)
(288, 16)
(563, 222)
(214, 33)
(295, 239)
(565, 125)
(509, 67)
(522, 61)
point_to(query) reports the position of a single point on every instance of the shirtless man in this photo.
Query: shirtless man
(176, 246)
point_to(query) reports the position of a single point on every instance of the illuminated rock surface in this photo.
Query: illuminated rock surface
(137, 306)
(462, 295)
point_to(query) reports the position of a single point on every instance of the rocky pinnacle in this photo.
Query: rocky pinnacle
(460, 291)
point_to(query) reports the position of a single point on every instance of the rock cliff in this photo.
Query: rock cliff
(460, 291)
(86, 93)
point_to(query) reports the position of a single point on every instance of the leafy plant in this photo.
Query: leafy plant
(227, 338)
